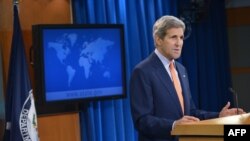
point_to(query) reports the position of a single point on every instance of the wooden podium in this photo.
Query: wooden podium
(208, 130)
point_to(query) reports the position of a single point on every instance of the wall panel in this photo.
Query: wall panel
(64, 127)
(238, 36)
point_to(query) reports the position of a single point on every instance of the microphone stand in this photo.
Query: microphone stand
(236, 99)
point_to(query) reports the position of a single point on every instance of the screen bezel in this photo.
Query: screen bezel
(71, 105)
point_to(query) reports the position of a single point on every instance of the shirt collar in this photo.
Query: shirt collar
(163, 59)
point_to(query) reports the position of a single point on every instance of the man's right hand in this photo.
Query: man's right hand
(187, 119)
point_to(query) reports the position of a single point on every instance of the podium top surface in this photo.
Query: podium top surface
(213, 127)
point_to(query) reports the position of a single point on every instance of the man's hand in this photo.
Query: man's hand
(229, 112)
(186, 119)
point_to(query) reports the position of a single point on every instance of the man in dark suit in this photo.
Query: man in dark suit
(154, 87)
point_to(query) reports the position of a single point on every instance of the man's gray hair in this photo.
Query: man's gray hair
(164, 23)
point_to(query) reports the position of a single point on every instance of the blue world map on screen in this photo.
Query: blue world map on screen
(89, 53)
(79, 61)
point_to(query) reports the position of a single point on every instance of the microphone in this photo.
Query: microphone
(236, 99)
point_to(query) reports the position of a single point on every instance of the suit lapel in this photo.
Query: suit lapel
(163, 76)
(184, 84)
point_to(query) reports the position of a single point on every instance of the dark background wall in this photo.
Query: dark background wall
(238, 37)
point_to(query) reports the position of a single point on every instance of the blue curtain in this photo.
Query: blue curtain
(205, 55)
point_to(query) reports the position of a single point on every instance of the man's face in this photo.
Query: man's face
(171, 45)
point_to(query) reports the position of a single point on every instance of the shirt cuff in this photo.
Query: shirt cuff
(173, 125)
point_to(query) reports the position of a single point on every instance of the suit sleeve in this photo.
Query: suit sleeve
(201, 114)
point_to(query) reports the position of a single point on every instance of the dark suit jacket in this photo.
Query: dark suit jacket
(154, 102)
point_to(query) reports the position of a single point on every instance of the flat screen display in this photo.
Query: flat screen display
(78, 63)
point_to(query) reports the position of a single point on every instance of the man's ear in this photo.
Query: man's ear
(158, 41)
